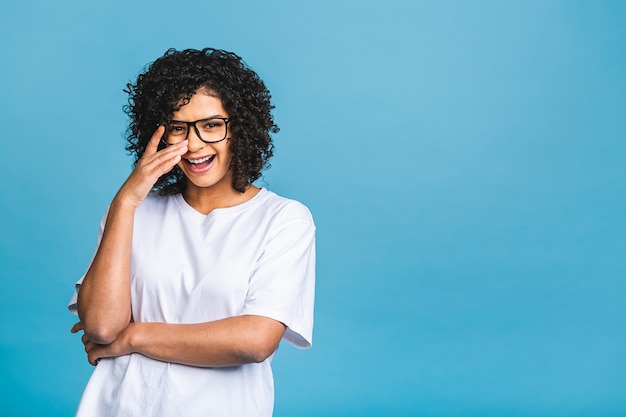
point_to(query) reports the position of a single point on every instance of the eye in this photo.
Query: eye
(176, 129)
(212, 124)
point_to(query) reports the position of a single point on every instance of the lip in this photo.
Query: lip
(202, 167)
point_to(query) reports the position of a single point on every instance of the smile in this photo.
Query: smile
(199, 166)
(200, 160)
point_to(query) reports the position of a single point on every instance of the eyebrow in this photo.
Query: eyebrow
(215, 116)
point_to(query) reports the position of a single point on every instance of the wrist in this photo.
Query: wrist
(121, 202)
(134, 336)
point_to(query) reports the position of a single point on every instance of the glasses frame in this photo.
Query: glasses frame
(195, 127)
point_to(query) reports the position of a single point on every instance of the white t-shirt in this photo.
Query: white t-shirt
(256, 258)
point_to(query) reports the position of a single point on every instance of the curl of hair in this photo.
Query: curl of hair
(170, 82)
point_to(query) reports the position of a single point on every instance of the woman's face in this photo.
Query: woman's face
(206, 165)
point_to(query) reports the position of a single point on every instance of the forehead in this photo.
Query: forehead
(201, 105)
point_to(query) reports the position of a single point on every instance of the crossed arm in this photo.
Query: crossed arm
(104, 304)
(227, 342)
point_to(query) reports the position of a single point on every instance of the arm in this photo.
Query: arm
(104, 298)
(227, 342)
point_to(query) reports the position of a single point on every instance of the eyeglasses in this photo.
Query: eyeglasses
(211, 130)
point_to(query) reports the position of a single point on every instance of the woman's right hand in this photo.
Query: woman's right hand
(149, 168)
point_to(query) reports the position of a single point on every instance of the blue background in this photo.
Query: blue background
(465, 162)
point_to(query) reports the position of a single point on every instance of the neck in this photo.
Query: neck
(205, 200)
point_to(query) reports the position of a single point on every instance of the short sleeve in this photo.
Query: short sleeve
(282, 286)
(73, 304)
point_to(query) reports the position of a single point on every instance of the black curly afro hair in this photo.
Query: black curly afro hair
(170, 82)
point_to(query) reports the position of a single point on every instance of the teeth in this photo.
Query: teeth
(199, 161)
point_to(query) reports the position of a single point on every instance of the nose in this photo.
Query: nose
(194, 142)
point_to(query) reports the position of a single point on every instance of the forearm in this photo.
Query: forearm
(104, 304)
(228, 342)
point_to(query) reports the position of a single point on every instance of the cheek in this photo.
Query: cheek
(227, 154)
(229, 161)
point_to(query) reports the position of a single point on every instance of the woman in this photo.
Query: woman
(198, 274)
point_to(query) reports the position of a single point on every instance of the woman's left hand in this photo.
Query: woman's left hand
(95, 351)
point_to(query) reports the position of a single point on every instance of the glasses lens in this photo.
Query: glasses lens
(211, 130)
(176, 132)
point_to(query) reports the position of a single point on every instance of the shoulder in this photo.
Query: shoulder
(155, 204)
(285, 209)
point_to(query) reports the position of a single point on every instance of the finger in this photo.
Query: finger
(93, 359)
(153, 144)
(95, 354)
(77, 327)
(150, 159)
(84, 339)
(163, 161)
(177, 149)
